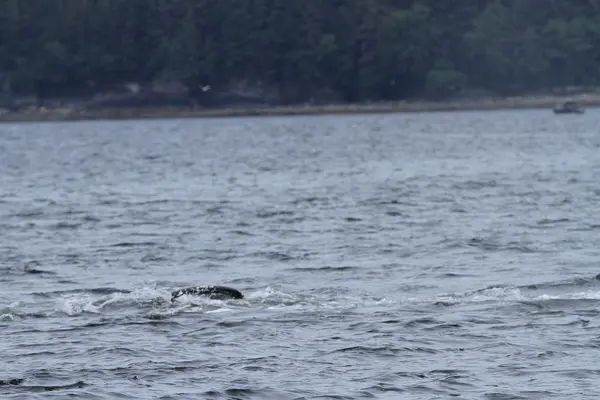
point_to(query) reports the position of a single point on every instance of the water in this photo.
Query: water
(422, 256)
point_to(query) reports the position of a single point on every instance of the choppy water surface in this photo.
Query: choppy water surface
(402, 256)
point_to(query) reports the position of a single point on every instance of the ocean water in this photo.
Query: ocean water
(410, 256)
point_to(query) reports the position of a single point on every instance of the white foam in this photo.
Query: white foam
(76, 305)
(145, 294)
(83, 303)
(588, 295)
(274, 300)
(7, 317)
(268, 292)
(167, 312)
(220, 310)
(199, 301)
(508, 294)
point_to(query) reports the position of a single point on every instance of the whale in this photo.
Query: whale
(212, 292)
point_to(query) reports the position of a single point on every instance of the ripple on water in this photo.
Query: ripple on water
(396, 256)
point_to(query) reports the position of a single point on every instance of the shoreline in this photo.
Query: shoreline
(516, 103)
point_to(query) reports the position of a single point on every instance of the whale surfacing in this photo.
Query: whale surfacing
(212, 292)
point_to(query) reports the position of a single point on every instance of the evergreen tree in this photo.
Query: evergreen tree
(359, 50)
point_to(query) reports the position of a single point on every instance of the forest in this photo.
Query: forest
(304, 50)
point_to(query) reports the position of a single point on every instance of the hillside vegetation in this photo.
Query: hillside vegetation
(288, 52)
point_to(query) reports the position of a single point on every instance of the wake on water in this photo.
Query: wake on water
(154, 302)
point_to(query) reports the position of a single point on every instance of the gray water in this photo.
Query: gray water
(421, 256)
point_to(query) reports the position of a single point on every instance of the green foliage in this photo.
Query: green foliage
(444, 81)
(358, 49)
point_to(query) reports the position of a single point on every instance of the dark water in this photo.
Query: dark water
(382, 257)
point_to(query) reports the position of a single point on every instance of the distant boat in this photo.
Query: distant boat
(568, 107)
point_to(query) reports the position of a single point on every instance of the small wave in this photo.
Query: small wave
(240, 393)
(385, 388)
(240, 232)
(151, 202)
(29, 213)
(271, 214)
(153, 258)
(482, 244)
(388, 202)
(66, 225)
(215, 210)
(480, 296)
(586, 228)
(566, 297)
(509, 396)
(272, 296)
(326, 268)
(517, 295)
(550, 221)
(383, 350)
(220, 310)
(51, 388)
(31, 269)
(134, 244)
(19, 383)
(573, 282)
(459, 209)
(216, 255)
(7, 317)
(444, 326)
(12, 382)
(394, 213)
(81, 302)
(247, 280)
(491, 245)
(90, 218)
(95, 291)
(266, 293)
(474, 185)
(76, 306)
(312, 200)
(273, 255)
(456, 275)
(10, 315)
(418, 322)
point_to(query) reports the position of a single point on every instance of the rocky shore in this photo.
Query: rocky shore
(69, 114)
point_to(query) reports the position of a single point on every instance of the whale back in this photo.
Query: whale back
(212, 292)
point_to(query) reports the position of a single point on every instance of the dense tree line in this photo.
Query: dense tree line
(357, 49)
